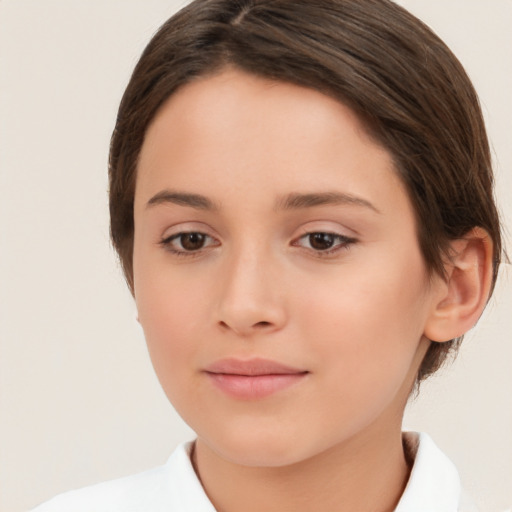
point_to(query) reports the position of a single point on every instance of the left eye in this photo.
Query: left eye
(323, 242)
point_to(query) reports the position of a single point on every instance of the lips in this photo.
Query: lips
(252, 379)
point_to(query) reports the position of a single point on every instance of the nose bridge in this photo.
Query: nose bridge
(251, 298)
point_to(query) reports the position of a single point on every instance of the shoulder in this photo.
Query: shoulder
(115, 495)
(171, 487)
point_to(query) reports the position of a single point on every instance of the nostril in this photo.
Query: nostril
(262, 324)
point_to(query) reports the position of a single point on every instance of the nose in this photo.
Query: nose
(252, 299)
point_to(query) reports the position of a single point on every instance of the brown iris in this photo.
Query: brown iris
(321, 241)
(192, 241)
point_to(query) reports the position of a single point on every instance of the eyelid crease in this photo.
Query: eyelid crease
(329, 226)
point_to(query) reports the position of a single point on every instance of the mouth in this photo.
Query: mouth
(254, 378)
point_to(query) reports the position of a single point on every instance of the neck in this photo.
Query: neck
(367, 473)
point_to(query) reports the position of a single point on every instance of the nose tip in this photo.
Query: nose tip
(250, 300)
(245, 320)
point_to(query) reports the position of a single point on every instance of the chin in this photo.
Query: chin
(268, 446)
(257, 447)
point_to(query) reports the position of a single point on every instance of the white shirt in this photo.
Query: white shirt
(434, 485)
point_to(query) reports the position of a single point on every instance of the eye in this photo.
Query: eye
(188, 242)
(324, 242)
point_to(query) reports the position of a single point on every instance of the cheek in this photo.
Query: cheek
(367, 323)
(169, 314)
(164, 309)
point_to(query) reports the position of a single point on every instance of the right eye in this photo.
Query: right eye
(188, 243)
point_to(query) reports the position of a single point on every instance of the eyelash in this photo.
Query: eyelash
(340, 243)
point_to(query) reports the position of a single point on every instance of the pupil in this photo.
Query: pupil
(321, 241)
(192, 241)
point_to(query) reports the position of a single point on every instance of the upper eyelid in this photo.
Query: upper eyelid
(325, 224)
(187, 227)
(312, 226)
(326, 232)
(177, 234)
(336, 231)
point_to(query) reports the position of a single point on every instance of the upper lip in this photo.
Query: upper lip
(251, 367)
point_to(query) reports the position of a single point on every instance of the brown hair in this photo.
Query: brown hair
(410, 91)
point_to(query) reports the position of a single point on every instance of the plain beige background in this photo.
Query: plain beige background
(78, 399)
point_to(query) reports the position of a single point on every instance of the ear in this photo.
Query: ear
(460, 298)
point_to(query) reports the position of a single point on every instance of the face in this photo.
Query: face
(277, 272)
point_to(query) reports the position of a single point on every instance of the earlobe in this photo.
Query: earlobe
(463, 294)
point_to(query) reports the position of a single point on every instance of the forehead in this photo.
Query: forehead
(237, 132)
(232, 97)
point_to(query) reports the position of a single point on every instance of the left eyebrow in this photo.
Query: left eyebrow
(296, 201)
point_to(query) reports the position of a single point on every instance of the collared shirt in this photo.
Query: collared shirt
(434, 483)
(433, 486)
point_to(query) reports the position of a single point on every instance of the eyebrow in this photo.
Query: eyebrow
(293, 201)
(297, 201)
(196, 201)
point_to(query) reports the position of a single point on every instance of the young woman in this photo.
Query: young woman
(301, 199)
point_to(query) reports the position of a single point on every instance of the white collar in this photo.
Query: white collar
(433, 486)
(434, 483)
(185, 489)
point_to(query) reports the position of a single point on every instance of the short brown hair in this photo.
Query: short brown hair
(407, 87)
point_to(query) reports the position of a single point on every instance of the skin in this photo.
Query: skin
(353, 317)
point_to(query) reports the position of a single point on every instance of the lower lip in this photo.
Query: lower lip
(253, 387)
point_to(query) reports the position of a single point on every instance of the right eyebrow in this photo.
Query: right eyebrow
(196, 201)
